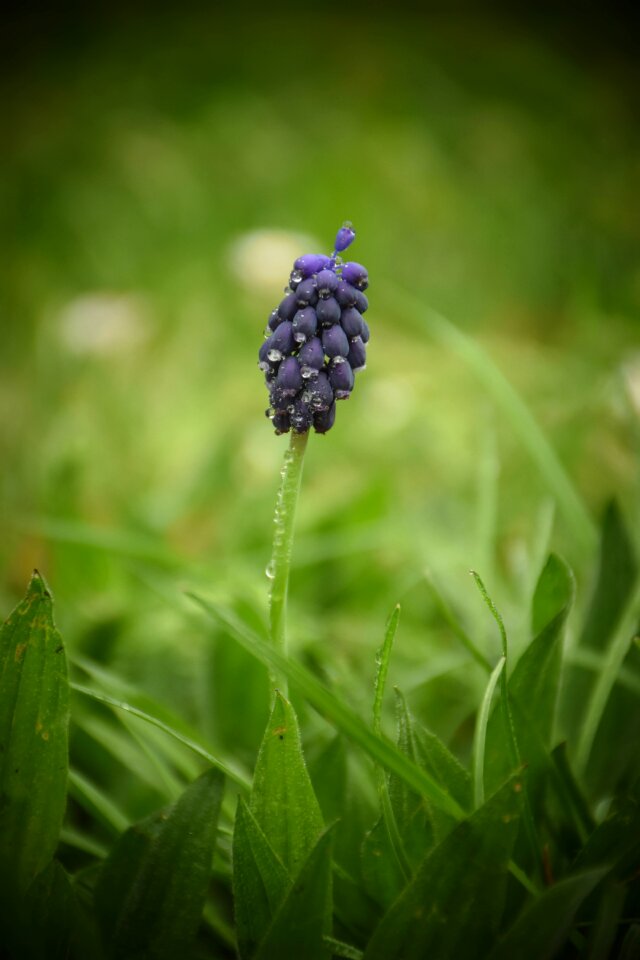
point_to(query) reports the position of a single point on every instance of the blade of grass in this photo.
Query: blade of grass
(449, 617)
(336, 711)
(618, 649)
(523, 423)
(96, 802)
(225, 768)
(383, 657)
(480, 735)
(590, 660)
(509, 726)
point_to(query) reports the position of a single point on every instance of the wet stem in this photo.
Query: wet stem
(280, 565)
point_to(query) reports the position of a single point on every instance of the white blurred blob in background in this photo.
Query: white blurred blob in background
(262, 259)
(104, 323)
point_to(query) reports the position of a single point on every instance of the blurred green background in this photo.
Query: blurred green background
(160, 172)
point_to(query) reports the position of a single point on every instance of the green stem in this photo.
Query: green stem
(280, 564)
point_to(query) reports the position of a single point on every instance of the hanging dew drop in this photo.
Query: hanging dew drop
(274, 356)
(269, 571)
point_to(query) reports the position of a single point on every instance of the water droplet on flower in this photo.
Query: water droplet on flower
(274, 356)
(296, 276)
(299, 336)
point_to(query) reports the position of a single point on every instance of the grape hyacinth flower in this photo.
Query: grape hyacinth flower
(315, 339)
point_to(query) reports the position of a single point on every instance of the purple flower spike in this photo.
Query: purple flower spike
(305, 324)
(356, 275)
(311, 357)
(357, 355)
(301, 415)
(335, 341)
(346, 295)
(320, 393)
(281, 421)
(288, 307)
(281, 341)
(316, 340)
(311, 263)
(307, 293)
(328, 311)
(351, 322)
(341, 379)
(323, 420)
(345, 237)
(289, 378)
(326, 282)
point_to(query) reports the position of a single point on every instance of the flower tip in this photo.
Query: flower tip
(345, 236)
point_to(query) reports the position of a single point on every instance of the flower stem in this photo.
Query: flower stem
(278, 569)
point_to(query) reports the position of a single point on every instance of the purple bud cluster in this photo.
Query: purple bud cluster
(315, 340)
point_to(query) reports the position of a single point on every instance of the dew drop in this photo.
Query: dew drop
(274, 356)
(269, 571)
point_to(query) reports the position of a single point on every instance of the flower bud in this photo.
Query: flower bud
(345, 237)
(356, 275)
(311, 263)
(328, 311)
(351, 322)
(289, 378)
(341, 379)
(305, 324)
(335, 342)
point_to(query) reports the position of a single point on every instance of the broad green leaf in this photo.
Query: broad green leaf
(328, 772)
(553, 594)
(382, 874)
(545, 923)
(335, 710)
(421, 823)
(282, 799)
(452, 907)
(46, 917)
(260, 881)
(152, 887)
(34, 723)
(299, 926)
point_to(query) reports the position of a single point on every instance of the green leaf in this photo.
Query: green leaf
(260, 881)
(152, 887)
(452, 907)
(420, 822)
(382, 873)
(605, 927)
(545, 923)
(299, 927)
(553, 595)
(46, 917)
(534, 684)
(337, 712)
(585, 694)
(34, 724)
(617, 572)
(282, 799)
